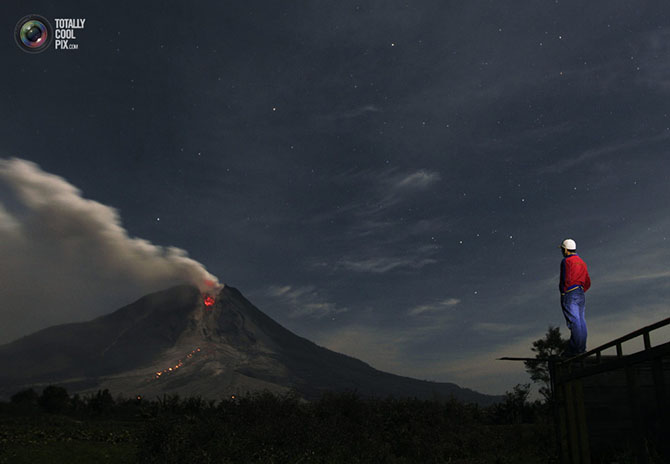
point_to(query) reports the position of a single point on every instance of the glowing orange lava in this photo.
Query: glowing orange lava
(209, 301)
(179, 364)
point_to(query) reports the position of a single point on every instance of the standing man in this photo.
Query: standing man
(573, 284)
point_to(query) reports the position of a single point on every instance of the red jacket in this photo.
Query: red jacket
(574, 274)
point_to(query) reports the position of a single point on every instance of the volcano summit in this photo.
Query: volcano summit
(178, 341)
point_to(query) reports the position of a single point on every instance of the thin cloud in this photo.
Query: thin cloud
(437, 307)
(384, 238)
(349, 113)
(654, 70)
(372, 218)
(379, 193)
(304, 301)
(356, 112)
(622, 277)
(418, 180)
(496, 327)
(380, 264)
(628, 146)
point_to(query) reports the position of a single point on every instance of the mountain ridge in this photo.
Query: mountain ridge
(171, 342)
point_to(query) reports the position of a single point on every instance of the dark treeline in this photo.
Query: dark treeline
(262, 427)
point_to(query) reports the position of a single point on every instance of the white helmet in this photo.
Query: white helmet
(569, 244)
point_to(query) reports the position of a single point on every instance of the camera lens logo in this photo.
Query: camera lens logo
(33, 33)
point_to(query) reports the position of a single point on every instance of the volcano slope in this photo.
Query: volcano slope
(170, 342)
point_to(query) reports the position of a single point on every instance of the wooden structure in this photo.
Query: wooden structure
(615, 407)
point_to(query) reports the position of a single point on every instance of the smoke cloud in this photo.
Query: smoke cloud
(66, 258)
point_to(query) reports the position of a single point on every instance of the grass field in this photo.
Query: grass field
(264, 428)
(37, 438)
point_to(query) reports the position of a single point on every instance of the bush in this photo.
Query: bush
(261, 428)
(54, 399)
(25, 397)
(339, 428)
(101, 403)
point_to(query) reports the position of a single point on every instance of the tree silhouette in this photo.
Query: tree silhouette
(551, 345)
(102, 402)
(25, 400)
(28, 396)
(515, 408)
(54, 399)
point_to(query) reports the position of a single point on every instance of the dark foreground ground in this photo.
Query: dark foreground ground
(262, 428)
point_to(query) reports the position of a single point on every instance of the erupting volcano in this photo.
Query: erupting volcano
(230, 348)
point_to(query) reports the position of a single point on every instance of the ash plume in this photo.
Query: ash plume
(67, 258)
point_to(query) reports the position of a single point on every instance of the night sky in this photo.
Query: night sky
(389, 179)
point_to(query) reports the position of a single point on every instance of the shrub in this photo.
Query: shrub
(54, 399)
(25, 397)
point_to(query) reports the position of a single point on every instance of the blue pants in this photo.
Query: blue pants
(573, 304)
